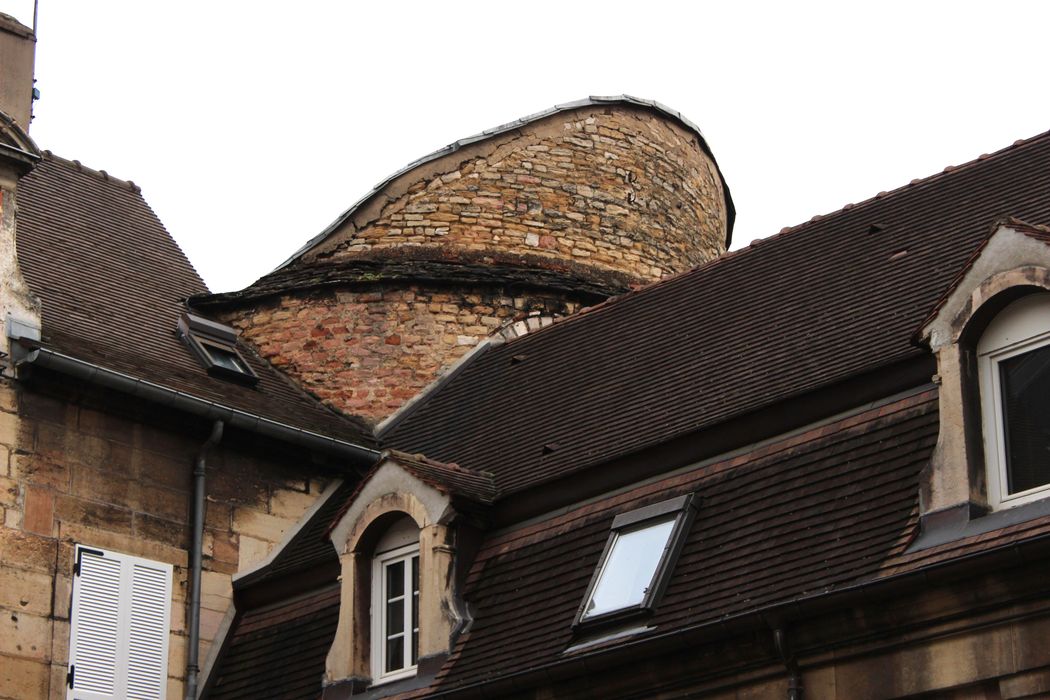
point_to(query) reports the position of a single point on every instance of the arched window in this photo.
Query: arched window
(395, 602)
(1013, 357)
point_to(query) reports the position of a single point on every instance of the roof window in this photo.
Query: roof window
(215, 346)
(637, 561)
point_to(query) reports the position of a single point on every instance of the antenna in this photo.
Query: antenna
(36, 5)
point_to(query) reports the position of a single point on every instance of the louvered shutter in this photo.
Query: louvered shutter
(119, 627)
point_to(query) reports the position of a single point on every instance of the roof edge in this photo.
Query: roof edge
(591, 101)
(179, 400)
(421, 397)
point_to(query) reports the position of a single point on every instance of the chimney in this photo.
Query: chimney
(17, 53)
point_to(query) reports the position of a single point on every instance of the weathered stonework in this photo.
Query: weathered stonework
(71, 473)
(367, 351)
(615, 186)
(544, 219)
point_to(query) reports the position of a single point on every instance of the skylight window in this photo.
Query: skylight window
(637, 561)
(215, 346)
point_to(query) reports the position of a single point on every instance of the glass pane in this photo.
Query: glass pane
(415, 574)
(395, 580)
(1025, 384)
(629, 568)
(415, 646)
(225, 358)
(395, 617)
(395, 654)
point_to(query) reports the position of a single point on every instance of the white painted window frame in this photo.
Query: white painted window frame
(86, 634)
(380, 563)
(1021, 327)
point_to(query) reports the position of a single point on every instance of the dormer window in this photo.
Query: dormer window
(215, 346)
(637, 561)
(395, 603)
(1014, 365)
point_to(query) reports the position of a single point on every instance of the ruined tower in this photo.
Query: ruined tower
(498, 233)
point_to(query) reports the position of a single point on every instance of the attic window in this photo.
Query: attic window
(1014, 366)
(637, 561)
(215, 346)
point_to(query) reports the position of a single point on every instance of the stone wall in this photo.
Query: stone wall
(617, 187)
(70, 473)
(367, 351)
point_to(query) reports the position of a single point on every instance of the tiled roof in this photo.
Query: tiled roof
(450, 479)
(800, 516)
(112, 282)
(818, 304)
(278, 651)
(310, 546)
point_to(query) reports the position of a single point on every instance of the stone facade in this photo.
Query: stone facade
(560, 213)
(367, 351)
(72, 472)
(616, 187)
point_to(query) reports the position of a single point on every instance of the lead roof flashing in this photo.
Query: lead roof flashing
(592, 101)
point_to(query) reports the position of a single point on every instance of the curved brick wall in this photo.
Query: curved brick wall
(366, 352)
(557, 213)
(614, 187)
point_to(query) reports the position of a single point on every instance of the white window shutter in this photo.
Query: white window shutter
(119, 627)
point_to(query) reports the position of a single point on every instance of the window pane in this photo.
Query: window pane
(395, 654)
(395, 617)
(630, 568)
(1025, 384)
(225, 358)
(395, 580)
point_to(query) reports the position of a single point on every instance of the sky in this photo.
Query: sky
(250, 126)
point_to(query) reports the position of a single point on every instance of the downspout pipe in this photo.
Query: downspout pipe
(780, 640)
(196, 549)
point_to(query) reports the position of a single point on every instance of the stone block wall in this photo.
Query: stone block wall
(367, 351)
(615, 187)
(70, 473)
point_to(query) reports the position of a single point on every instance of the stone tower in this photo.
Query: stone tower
(498, 233)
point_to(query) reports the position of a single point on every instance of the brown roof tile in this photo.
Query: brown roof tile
(804, 515)
(112, 283)
(823, 302)
(278, 651)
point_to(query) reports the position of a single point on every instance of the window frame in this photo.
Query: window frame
(1024, 322)
(200, 334)
(380, 563)
(681, 510)
(90, 632)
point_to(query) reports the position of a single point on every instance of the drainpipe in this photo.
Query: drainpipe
(790, 663)
(196, 547)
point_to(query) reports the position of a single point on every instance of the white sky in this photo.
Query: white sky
(251, 125)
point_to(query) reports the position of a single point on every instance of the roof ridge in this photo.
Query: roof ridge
(916, 182)
(103, 175)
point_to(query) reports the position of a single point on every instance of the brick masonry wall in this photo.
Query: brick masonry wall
(367, 351)
(615, 187)
(71, 474)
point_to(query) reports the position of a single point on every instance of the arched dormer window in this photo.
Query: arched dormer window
(1013, 358)
(395, 602)
(990, 333)
(405, 540)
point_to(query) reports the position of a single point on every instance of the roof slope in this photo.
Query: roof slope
(112, 282)
(278, 651)
(763, 536)
(815, 305)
